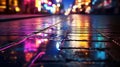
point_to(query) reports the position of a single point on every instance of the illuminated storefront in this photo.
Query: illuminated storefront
(28, 6)
(36, 6)
(11, 5)
(2, 5)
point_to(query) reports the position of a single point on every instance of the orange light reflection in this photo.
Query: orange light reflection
(81, 28)
(28, 56)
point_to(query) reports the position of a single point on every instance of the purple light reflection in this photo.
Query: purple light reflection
(31, 47)
(32, 44)
(39, 55)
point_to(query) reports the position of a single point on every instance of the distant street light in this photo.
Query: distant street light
(58, 1)
(58, 5)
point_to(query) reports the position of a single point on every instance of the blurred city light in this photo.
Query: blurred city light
(93, 2)
(53, 9)
(81, 6)
(45, 1)
(17, 9)
(38, 5)
(88, 9)
(49, 3)
(58, 1)
(67, 12)
(60, 6)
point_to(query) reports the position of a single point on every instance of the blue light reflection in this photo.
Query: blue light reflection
(58, 45)
(101, 55)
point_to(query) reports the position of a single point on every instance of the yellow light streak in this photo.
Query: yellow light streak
(38, 5)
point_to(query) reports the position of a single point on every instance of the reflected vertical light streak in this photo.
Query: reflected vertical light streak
(81, 27)
(36, 57)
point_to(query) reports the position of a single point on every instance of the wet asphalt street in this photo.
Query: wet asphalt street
(61, 41)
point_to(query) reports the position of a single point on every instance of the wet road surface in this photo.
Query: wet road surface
(61, 41)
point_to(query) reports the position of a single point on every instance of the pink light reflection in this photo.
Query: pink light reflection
(32, 44)
(31, 47)
(39, 55)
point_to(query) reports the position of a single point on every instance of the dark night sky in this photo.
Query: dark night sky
(66, 3)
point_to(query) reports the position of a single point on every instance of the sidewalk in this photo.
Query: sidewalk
(4, 18)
